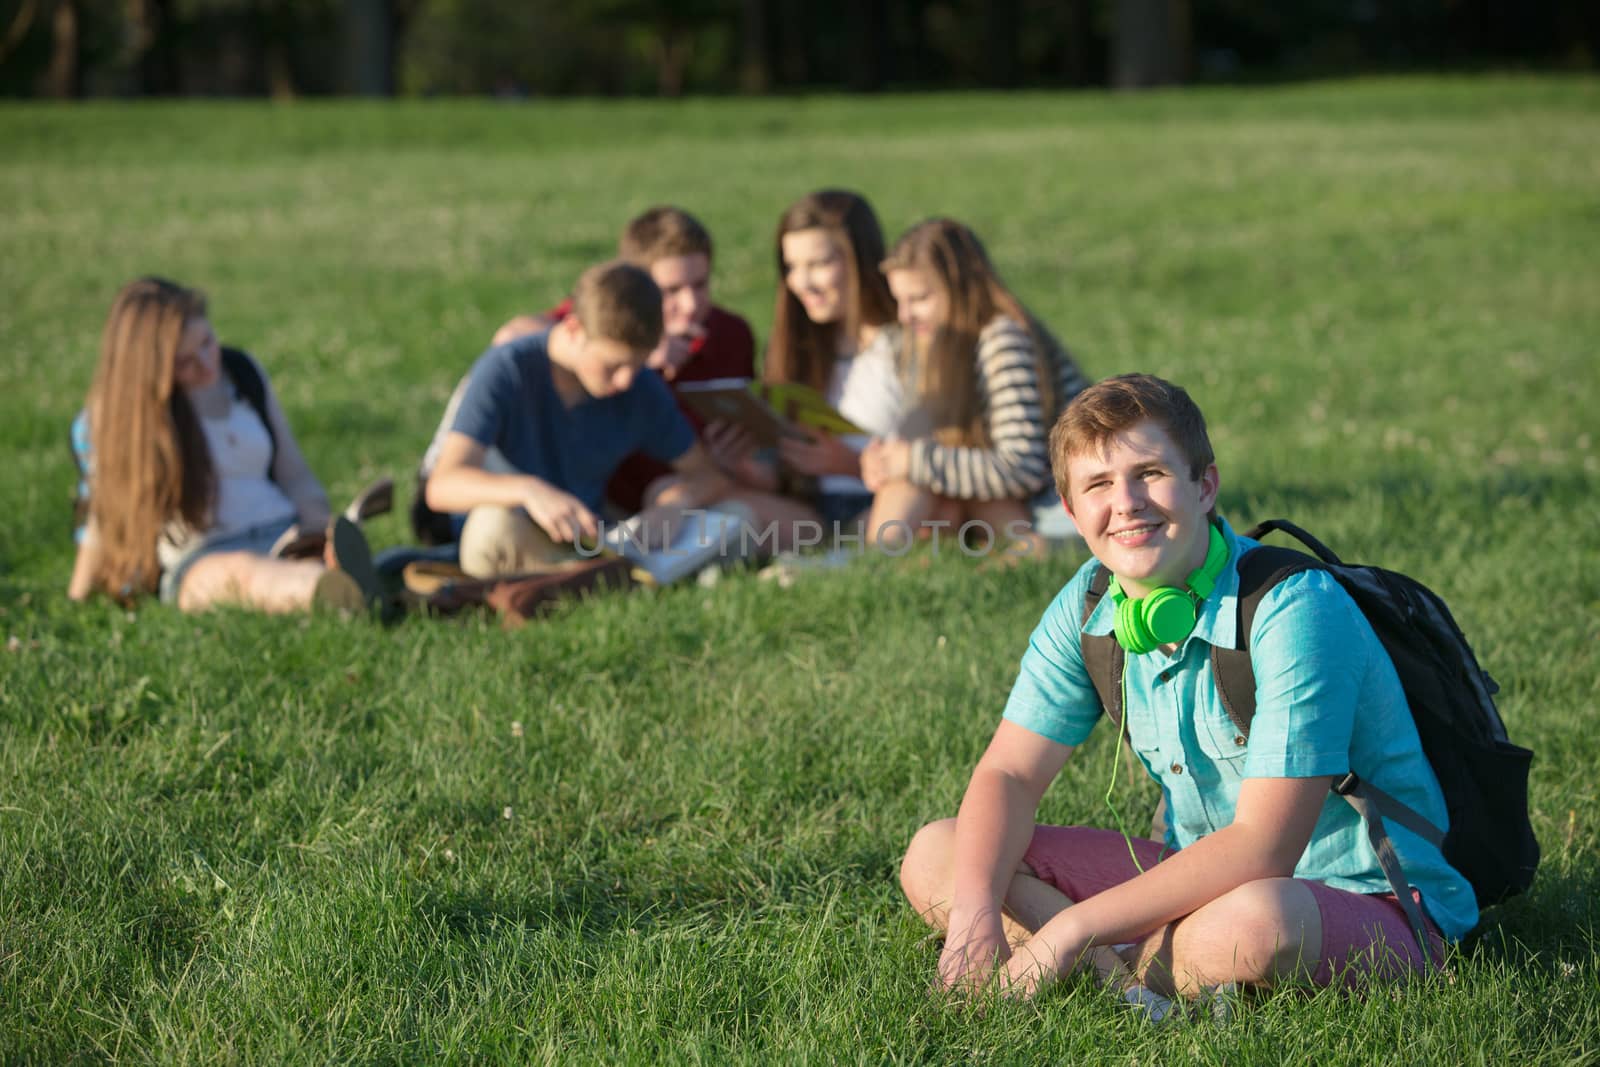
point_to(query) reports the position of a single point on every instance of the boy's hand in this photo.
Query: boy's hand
(675, 350)
(885, 460)
(560, 514)
(1031, 967)
(819, 453)
(521, 326)
(1057, 949)
(973, 946)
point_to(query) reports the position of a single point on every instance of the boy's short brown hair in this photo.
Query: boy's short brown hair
(661, 232)
(1115, 405)
(620, 302)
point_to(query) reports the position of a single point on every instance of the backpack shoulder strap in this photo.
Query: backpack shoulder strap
(1259, 570)
(1103, 658)
(246, 377)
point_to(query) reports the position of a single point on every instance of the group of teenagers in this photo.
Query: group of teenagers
(970, 410)
(572, 416)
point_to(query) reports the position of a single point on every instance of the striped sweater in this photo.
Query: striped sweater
(1016, 464)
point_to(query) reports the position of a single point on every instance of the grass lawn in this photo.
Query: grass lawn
(665, 826)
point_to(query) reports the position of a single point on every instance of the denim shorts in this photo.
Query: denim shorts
(257, 539)
(840, 507)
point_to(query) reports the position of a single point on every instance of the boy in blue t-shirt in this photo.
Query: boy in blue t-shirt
(1263, 874)
(546, 420)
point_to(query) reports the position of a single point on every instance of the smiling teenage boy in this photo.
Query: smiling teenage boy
(1264, 874)
(560, 410)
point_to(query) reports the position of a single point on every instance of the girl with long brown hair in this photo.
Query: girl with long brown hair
(833, 329)
(189, 488)
(988, 378)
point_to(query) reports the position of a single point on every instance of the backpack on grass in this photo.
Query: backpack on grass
(1483, 776)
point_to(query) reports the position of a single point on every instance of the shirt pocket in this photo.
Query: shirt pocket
(1144, 739)
(1219, 738)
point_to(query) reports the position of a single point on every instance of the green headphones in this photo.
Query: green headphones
(1167, 615)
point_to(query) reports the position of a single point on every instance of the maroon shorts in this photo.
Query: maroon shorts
(1363, 934)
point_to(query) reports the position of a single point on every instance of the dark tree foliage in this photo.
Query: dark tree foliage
(669, 47)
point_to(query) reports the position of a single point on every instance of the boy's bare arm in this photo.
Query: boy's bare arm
(1272, 824)
(993, 829)
(521, 326)
(460, 483)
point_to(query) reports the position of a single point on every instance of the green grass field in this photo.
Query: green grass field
(233, 838)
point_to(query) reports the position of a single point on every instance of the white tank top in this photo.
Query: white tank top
(241, 453)
(866, 389)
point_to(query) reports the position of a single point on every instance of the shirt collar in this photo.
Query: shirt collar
(1218, 623)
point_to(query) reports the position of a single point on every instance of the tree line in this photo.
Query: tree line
(287, 48)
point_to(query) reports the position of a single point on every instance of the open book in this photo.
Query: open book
(702, 538)
(769, 412)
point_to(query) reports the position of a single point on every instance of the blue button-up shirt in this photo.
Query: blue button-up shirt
(1327, 701)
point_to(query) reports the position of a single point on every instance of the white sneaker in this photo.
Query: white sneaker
(1155, 1007)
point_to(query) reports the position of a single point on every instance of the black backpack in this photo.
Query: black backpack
(1483, 776)
(243, 373)
(252, 388)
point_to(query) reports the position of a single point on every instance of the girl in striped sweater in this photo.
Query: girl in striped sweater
(989, 380)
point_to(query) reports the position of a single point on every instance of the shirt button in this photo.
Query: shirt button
(1177, 768)
(1239, 740)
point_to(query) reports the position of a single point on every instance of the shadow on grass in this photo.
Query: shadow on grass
(1554, 921)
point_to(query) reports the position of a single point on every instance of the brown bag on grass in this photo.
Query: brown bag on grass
(445, 590)
(519, 599)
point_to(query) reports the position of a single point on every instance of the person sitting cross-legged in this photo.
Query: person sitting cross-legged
(1263, 875)
(547, 418)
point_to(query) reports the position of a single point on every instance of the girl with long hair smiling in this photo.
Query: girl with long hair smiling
(834, 330)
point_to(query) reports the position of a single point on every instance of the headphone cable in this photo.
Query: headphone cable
(1116, 753)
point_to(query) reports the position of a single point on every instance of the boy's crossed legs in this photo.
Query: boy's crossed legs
(1261, 933)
